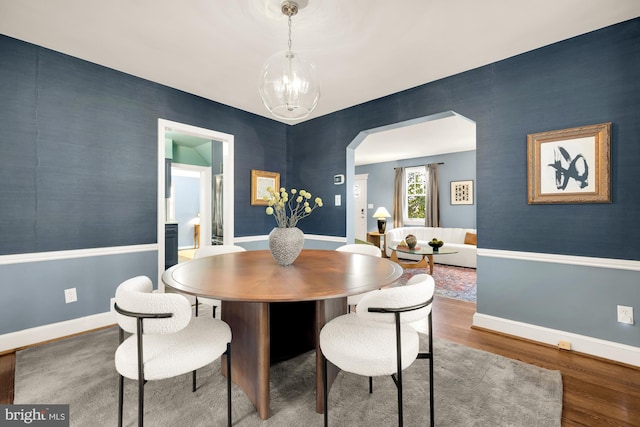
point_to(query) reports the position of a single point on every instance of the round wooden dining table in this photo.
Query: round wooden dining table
(276, 312)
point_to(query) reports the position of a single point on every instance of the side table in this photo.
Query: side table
(376, 238)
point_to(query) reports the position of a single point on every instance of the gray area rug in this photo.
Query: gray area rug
(472, 388)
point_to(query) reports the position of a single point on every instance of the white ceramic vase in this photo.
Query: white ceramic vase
(286, 244)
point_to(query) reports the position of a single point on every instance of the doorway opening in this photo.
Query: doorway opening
(437, 134)
(225, 224)
(360, 206)
(190, 207)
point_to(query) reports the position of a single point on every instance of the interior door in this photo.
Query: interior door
(360, 205)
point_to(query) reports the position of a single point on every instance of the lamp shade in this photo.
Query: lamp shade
(289, 86)
(381, 212)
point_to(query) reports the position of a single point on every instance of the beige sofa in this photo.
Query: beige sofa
(453, 238)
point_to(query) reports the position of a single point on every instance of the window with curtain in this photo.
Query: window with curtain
(415, 195)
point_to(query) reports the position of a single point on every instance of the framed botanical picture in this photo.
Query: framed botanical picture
(461, 192)
(260, 181)
(570, 165)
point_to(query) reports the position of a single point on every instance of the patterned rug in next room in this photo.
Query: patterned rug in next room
(452, 282)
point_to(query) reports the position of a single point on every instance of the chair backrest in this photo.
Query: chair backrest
(422, 325)
(359, 248)
(416, 291)
(136, 295)
(212, 250)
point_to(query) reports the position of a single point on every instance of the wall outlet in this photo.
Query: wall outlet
(564, 345)
(70, 295)
(625, 314)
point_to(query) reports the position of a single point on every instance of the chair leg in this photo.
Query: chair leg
(121, 383)
(370, 385)
(229, 384)
(197, 304)
(120, 400)
(431, 399)
(400, 417)
(141, 380)
(140, 402)
(193, 386)
(432, 413)
(399, 368)
(214, 311)
(325, 391)
(429, 355)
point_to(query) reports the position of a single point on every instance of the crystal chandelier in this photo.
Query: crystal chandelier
(288, 82)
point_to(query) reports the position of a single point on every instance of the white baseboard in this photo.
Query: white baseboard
(580, 343)
(27, 337)
(596, 347)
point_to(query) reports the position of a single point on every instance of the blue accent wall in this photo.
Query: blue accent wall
(457, 167)
(79, 152)
(318, 147)
(33, 293)
(581, 300)
(585, 80)
(78, 167)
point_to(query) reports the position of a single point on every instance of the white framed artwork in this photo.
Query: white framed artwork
(461, 192)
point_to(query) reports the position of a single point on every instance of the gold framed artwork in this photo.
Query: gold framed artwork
(461, 192)
(260, 181)
(570, 165)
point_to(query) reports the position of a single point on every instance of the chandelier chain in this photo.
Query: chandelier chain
(289, 33)
(288, 86)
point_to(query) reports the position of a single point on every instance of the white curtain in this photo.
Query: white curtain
(432, 201)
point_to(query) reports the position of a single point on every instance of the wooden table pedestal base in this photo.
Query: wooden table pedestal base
(266, 333)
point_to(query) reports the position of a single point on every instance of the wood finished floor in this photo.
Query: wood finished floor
(596, 392)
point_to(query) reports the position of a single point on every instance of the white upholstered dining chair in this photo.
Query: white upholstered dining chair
(382, 337)
(213, 250)
(166, 340)
(358, 248)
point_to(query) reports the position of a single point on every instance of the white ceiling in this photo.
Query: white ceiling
(363, 49)
(442, 133)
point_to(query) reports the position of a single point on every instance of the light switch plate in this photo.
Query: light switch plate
(338, 200)
(625, 314)
(70, 295)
